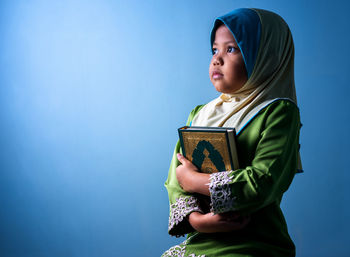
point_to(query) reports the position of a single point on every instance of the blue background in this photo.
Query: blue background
(92, 94)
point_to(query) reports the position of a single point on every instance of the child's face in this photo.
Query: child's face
(227, 70)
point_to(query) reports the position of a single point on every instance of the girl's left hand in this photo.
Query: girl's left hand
(189, 177)
(214, 223)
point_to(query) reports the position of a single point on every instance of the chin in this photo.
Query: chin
(219, 89)
(223, 90)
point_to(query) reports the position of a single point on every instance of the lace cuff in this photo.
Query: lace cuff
(220, 192)
(180, 250)
(180, 209)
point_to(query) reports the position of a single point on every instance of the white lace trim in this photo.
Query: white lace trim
(179, 251)
(176, 251)
(181, 208)
(220, 192)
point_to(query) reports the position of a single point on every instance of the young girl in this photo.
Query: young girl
(253, 67)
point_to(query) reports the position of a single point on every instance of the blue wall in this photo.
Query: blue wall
(91, 95)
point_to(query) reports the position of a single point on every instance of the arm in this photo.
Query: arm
(212, 223)
(272, 168)
(185, 212)
(191, 180)
(266, 179)
(181, 203)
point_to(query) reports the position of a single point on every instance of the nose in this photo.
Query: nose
(217, 60)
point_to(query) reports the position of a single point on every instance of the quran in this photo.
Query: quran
(210, 149)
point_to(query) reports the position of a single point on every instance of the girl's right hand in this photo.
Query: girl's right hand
(213, 223)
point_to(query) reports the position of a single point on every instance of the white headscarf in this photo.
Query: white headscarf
(271, 78)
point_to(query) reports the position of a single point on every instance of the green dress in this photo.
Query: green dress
(268, 148)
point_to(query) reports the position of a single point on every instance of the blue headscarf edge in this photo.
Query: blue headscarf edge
(245, 26)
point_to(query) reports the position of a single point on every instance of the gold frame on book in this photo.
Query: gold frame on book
(217, 140)
(211, 149)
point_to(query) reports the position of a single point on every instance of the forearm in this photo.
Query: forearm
(213, 223)
(194, 220)
(190, 178)
(200, 183)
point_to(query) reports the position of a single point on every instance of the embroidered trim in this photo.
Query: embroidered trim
(181, 208)
(179, 251)
(220, 192)
(176, 251)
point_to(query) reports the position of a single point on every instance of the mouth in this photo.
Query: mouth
(216, 75)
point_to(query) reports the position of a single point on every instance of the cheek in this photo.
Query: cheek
(240, 70)
(210, 70)
(210, 66)
(243, 72)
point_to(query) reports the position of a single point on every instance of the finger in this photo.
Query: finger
(185, 162)
(182, 158)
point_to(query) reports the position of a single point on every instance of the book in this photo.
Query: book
(210, 149)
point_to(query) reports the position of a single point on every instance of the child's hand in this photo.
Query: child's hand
(189, 177)
(213, 223)
(185, 173)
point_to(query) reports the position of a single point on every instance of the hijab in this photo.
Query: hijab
(267, 49)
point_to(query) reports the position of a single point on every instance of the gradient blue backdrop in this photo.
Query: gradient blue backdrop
(91, 95)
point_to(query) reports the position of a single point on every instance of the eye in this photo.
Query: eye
(214, 51)
(232, 49)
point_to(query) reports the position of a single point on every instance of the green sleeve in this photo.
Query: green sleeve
(271, 169)
(181, 203)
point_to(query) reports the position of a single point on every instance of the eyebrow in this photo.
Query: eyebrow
(227, 42)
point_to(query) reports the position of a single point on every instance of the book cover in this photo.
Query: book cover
(210, 149)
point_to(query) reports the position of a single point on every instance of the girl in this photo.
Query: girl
(253, 67)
